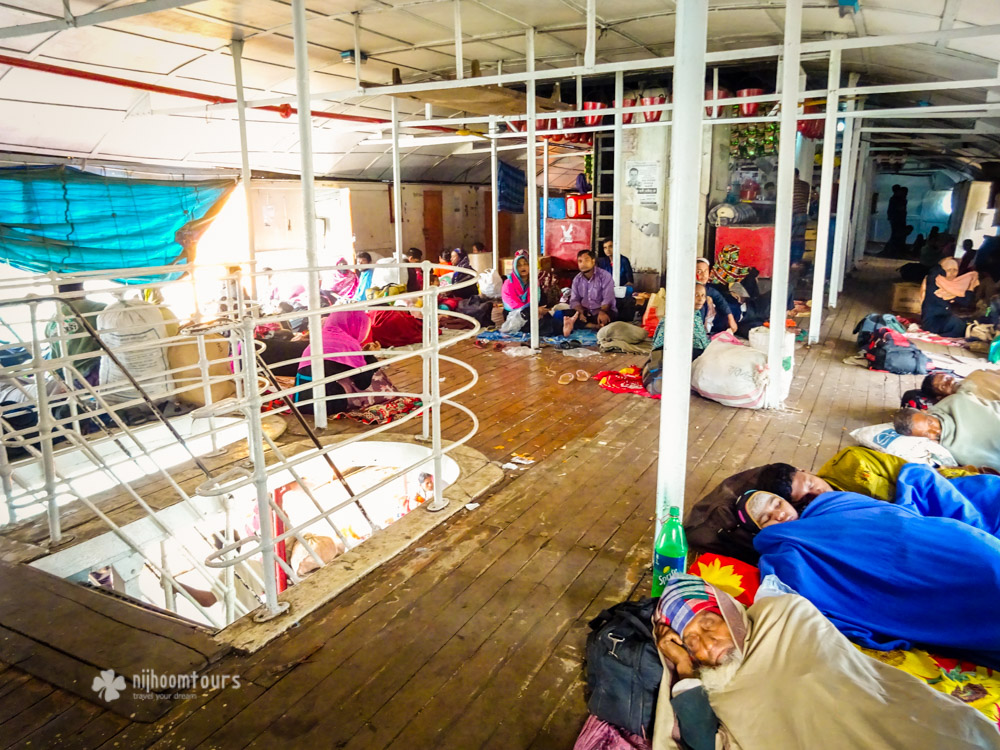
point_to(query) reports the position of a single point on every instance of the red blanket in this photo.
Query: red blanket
(395, 328)
(626, 380)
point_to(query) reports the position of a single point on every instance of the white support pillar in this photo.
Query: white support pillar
(545, 191)
(357, 48)
(825, 195)
(590, 51)
(844, 193)
(494, 195)
(682, 234)
(843, 246)
(861, 200)
(241, 113)
(308, 202)
(531, 169)
(397, 187)
(786, 187)
(616, 221)
(459, 62)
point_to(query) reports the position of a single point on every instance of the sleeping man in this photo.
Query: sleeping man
(921, 571)
(779, 675)
(966, 425)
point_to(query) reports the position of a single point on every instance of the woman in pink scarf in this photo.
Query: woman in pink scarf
(344, 333)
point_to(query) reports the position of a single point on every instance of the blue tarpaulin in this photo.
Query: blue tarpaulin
(65, 220)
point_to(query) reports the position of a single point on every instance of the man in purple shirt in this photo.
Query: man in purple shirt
(593, 293)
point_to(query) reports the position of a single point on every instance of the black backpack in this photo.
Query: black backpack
(900, 360)
(915, 399)
(623, 667)
(868, 325)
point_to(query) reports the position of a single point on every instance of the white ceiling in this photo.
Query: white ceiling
(187, 48)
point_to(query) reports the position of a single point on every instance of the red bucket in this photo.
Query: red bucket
(750, 108)
(627, 116)
(593, 119)
(710, 95)
(651, 100)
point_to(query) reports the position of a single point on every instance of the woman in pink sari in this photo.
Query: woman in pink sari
(344, 336)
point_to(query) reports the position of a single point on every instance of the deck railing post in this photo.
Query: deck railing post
(439, 501)
(255, 439)
(682, 233)
(428, 301)
(531, 169)
(45, 427)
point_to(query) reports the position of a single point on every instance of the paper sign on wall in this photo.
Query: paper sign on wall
(642, 183)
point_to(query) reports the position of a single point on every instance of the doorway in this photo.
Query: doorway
(433, 225)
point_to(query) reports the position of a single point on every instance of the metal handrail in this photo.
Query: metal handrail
(250, 373)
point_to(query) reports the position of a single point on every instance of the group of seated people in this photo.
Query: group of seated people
(871, 551)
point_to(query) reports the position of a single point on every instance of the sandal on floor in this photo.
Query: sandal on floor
(582, 375)
(479, 344)
(566, 378)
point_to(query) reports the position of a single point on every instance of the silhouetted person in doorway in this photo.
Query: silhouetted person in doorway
(896, 213)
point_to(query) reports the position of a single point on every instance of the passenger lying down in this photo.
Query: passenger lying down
(711, 525)
(779, 675)
(921, 571)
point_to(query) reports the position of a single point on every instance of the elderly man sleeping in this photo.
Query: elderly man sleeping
(922, 571)
(966, 425)
(778, 675)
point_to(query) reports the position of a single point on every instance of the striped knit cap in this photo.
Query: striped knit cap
(683, 598)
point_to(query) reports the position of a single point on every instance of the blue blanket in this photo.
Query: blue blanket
(889, 577)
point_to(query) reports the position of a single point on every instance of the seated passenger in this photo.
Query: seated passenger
(699, 337)
(460, 259)
(364, 277)
(344, 333)
(967, 426)
(414, 277)
(982, 383)
(944, 288)
(592, 294)
(516, 296)
(923, 571)
(715, 312)
(778, 675)
(626, 277)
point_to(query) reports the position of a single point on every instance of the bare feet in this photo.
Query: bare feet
(569, 322)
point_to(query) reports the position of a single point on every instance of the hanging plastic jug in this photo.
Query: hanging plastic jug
(671, 550)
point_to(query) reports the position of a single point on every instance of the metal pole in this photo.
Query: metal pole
(532, 171)
(786, 186)
(861, 201)
(590, 51)
(825, 194)
(357, 48)
(494, 195)
(308, 208)
(459, 63)
(427, 301)
(545, 191)
(616, 220)
(397, 188)
(439, 501)
(255, 440)
(843, 200)
(682, 234)
(241, 113)
(45, 426)
(845, 251)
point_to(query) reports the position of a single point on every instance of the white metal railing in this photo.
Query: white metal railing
(69, 448)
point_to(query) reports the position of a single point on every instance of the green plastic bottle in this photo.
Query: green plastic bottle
(671, 550)
(994, 355)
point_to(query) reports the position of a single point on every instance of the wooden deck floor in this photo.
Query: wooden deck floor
(474, 639)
